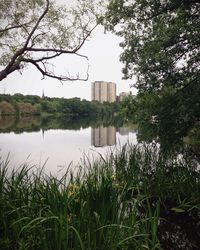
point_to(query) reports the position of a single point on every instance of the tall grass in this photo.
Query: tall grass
(112, 203)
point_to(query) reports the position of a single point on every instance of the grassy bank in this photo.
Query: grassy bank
(135, 199)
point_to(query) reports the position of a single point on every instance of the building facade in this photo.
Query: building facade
(103, 91)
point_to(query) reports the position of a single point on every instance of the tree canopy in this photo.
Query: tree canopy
(37, 32)
(161, 41)
(161, 47)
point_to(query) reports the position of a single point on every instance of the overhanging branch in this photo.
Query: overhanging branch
(23, 49)
(45, 72)
(39, 56)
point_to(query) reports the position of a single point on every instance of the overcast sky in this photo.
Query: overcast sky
(103, 52)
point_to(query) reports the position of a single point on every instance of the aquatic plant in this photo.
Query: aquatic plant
(123, 201)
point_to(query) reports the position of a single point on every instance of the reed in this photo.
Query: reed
(116, 202)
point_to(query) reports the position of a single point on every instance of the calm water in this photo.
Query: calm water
(60, 147)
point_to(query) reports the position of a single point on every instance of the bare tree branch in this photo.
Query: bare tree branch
(14, 27)
(84, 39)
(37, 24)
(51, 75)
(42, 58)
(77, 48)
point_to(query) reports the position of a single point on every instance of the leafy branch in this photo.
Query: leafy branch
(42, 42)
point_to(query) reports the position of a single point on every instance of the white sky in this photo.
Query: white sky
(103, 52)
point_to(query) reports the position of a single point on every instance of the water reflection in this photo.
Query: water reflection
(103, 136)
(66, 139)
(57, 141)
(35, 123)
(106, 136)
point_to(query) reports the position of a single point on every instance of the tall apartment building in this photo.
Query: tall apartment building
(103, 91)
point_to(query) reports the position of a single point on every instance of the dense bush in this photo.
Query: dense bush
(6, 108)
(26, 109)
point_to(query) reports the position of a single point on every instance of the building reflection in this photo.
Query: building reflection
(103, 136)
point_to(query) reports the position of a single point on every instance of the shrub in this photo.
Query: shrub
(6, 108)
(26, 109)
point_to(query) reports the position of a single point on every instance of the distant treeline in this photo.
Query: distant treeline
(22, 105)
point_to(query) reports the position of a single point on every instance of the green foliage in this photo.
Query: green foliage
(6, 108)
(160, 41)
(112, 203)
(128, 107)
(26, 109)
(161, 47)
(45, 106)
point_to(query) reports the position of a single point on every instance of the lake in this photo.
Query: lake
(58, 147)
